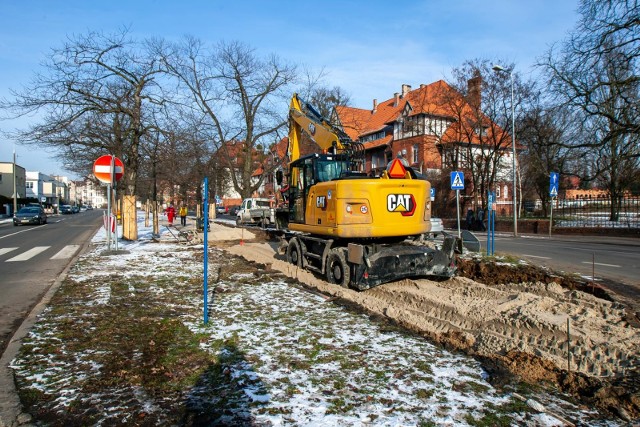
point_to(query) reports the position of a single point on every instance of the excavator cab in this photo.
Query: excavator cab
(307, 172)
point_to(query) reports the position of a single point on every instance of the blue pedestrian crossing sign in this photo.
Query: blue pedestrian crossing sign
(553, 184)
(432, 194)
(457, 180)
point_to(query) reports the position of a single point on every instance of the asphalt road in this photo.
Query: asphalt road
(32, 257)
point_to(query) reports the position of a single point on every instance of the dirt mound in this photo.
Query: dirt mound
(521, 321)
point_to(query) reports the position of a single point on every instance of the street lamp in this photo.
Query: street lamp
(501, 69)
(15, 193)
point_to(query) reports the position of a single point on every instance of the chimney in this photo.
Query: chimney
(422, 85)
(396, 99)
(405, 90)
(375, 106)
(474, 90)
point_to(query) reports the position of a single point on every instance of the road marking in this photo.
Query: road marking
(24, 230)
(29, 254)
(535, 256)
(66, 252)
(599, 263)
(5, 250)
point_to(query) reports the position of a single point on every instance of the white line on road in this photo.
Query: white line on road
(29, 254)
(66, 252)
(599, 263)
(24, 230)
(5, 250)
(536, 256)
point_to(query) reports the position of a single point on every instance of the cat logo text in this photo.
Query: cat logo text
(403, 203)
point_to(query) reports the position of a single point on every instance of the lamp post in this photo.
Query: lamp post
(501, 69)
(15, 194)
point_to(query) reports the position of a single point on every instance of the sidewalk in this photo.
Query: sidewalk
(219, 230)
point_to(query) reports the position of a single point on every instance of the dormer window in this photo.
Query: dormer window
(481, 131)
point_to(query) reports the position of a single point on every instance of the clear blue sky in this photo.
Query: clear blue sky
(368, 48)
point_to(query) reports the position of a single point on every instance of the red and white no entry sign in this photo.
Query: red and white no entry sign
(108, 169)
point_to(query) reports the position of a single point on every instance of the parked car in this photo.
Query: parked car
(436, 226)
(220, 209)
(66, 209)
(30, 215)
(75, 209)
(233, 210)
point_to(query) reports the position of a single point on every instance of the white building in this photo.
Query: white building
(7, 184)
(49, 190)
(87, 192)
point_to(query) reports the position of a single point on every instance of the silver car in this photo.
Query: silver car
(436, 226)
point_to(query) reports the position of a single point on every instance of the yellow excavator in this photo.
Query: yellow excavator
(358, 230)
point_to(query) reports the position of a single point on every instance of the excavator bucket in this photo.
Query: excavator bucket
(394, 262)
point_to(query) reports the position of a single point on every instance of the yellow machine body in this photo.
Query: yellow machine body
(364, 208)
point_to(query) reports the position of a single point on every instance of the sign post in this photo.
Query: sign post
(457, 183)
(554, 179)
(109, 169)
(205, 202)
(491, 235)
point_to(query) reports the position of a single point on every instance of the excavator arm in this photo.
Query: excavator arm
(304, 118)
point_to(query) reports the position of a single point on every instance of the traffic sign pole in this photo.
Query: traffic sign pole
(457, 183)
(458, 211)
(554, 182)
(109, 217)
(491, 226)
(109, 169)
(115, 219)
(205, 202)
(550, 216)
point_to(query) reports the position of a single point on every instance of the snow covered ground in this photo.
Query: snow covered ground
(292, 357)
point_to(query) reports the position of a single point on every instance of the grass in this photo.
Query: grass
(134, 342)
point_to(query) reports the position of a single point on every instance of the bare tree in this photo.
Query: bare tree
(544, 131)
(241, 95)
(93, 95)
(326, 99)
(483, 123)
(595, 73)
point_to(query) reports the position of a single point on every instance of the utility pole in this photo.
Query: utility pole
(499, 68)
(15, 194)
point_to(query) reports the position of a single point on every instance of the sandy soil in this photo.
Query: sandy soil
(525, 329)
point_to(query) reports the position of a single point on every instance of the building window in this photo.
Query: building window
(415, 153)
(377, 160)
(506, 192)
(29, 185)
(498, 192)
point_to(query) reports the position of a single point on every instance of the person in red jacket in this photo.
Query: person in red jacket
(171, 213)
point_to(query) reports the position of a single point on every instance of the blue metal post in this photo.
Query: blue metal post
(205, 202)
(491, 225)
(489, 231)
(493, 232)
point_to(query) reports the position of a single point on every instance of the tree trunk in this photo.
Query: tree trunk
(614, 208)
(129, 218)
